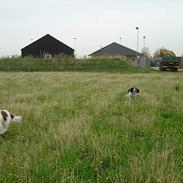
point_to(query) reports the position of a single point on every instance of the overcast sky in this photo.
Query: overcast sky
(94, 23)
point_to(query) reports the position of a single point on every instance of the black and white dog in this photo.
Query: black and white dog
(6, 118)
(132, 92)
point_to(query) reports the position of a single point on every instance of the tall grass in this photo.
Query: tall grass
(77, 127)
(114, 65)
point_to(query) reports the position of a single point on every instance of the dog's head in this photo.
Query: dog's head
(133, 91)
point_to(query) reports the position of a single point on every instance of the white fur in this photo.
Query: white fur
(130, 95)
(4, 124)
(16, 119)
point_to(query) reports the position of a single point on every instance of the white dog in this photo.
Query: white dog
(6, 118)
(132, 92)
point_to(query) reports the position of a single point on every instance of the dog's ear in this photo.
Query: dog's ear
(130, 90)
(138, 90)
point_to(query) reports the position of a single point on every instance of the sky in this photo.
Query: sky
(94, 24)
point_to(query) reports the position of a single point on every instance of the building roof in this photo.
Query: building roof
(115, 49)
(44, 39)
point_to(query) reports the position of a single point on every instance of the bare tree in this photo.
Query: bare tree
(146, 52)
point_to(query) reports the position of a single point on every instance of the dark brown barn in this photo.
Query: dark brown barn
(47, 46)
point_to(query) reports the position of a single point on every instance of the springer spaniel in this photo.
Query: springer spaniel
(6, 118)
(132, 92)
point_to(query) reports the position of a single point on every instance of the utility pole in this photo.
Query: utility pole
(74, 46)
(144, 38)
(137, 28)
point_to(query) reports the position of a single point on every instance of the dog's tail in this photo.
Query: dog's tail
(16, 119)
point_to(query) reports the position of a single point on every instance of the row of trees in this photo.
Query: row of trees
(164, 52)
(158, 53)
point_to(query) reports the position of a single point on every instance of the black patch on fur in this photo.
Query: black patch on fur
(138, 90)
(132, 90)
(4, 114)
(12, 116)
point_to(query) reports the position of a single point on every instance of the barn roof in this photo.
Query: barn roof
(115, 49)
(47, 37)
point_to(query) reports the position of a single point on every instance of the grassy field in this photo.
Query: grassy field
(77, 128)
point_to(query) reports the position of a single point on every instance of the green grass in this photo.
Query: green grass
(114, 65)
(78, 128)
